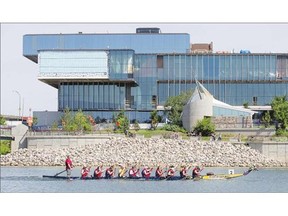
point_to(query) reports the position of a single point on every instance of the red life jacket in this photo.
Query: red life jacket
(195, 172)
(146, 173)
(171, 172)
(98, 173)
(133, 173)
(109, 172)
(183, 173)
(159, 173)
(84, 172)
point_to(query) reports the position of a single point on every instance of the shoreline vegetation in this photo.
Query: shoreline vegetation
(147, 151)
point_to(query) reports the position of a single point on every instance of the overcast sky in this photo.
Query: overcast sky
(20, 74)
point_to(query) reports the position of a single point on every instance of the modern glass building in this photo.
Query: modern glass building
(105, 73)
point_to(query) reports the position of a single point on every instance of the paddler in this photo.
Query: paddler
(85, 171)
(109, 172)
(68, 164)
(170, 172)
(146, 172)
(122, 171)
(159, 173)
(196, 172)
(98, 172)
(133, 172)
(183, 171)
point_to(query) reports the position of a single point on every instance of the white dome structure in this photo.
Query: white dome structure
(203, 104)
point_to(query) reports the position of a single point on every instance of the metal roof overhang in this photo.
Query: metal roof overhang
(55, 82)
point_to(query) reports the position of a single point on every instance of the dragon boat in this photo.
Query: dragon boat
(208, 176)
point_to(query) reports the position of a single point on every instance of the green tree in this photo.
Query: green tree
(177, 103)
(55, 125)
(205, 127)
(5, 145)
(136, 125)
(155, 119)
(266, 118)
(77, 122)
(2, 120)
(35, 120)
(82, 121)
(280, 108)
(122, 122)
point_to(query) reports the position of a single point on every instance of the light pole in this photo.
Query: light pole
(19, 102)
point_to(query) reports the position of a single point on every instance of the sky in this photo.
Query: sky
(20, 74)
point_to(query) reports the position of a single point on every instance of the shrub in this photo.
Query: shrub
(174, 128)
(5, 147)
(205, 127)
(282, 132)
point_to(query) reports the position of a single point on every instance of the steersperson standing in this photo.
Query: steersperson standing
(68, 164)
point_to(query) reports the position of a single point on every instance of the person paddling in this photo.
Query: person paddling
(146, 172)
(109, 172)
(122, 171)
(159, 173)
(183, 172)
(68, 164)
(98, 172)
(170, 172)
(85, 171)
(133, 172)
(196, 172)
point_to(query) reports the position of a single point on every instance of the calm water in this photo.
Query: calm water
(29, 179)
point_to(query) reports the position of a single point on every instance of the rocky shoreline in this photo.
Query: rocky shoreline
(152, 152)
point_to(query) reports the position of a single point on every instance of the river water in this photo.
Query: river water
(29, 180)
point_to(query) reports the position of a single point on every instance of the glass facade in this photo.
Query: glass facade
(220, 111)
(231, 78)
(73, 64)
(141, 43)
(105, 73)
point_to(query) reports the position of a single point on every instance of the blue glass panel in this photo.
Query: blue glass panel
(141, 43)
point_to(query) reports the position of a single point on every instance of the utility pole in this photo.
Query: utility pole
(19, 95)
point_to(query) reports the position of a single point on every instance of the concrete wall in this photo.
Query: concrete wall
(42, 142)
(232, 121)
(248, 131)
(274, 150)
(20, 141)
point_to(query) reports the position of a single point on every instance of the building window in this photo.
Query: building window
(254, 101)
(154, 99)
(159, 61)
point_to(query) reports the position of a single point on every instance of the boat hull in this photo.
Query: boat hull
(172, 178)
(221, 176)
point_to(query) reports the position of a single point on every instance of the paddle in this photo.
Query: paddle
(60, 172)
